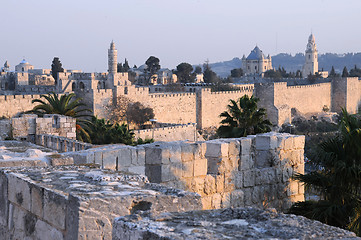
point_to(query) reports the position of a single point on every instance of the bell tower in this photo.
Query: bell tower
(311, 61)
(112, 59)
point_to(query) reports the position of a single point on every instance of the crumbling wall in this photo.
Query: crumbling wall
(251, 171)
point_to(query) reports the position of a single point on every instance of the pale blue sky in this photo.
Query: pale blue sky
(80, 31)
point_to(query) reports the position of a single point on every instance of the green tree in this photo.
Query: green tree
(243, 118)
(198, 70)
(104, 132)
(344, 72)
(120, 67)
(152, 65)
(139, 114)
(126, 66)
(56, 67)
(66, 105)
(337, 178)
(355, 72)
(208, 75)
(332, 72)
(185, 73)
(237, 72)
(272, 74)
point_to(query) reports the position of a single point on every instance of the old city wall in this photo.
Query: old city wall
(346, 93)
(12, 105)
(211, 104)
(170, 133)
(305, 98)
(251, 171)
(97, 100)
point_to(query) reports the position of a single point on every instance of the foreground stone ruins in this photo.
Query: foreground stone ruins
(159, 191)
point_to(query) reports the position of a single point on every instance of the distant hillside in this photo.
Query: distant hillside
(294, 63)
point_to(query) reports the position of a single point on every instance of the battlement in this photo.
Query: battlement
(165, 95)
(309, 86)
(18, 97)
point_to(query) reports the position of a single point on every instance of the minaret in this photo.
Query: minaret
(311, 63)
(112, 59)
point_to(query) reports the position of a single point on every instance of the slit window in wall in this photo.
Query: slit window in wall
(126, 90)
(56, 122)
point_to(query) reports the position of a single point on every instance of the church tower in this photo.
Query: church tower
(112, 59)
(311, 63)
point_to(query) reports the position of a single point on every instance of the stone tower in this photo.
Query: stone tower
(112, 59)
(311, 63)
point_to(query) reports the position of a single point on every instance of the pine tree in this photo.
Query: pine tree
(56, 67)
(332, 73)
(344, 72)
(126, 66)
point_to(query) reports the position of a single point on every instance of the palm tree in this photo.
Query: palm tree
(337, 178)
(243, 118)
(104, 132)
(65, 105)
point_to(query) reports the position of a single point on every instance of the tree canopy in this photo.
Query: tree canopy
(56, 67)
(243, 118)
(185, 73)
(336, 178)
(139, 114)
(152, 65)
(344, 72)
(237, 72)
(208, 75)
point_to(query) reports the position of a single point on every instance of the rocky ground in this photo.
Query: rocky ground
(240, 223)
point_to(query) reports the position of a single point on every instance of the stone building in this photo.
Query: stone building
(311, 61)
(256, 63)
(23, 66)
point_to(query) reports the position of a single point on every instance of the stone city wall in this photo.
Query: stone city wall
(12, 105)
(211, 104)
(5, 129)
(78, 202)
(346, 94)
(60, 144)
(170, 133)
(251, 171)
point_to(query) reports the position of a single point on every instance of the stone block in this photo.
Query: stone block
(238, 179)
(248, 196)
(246, 162)
(206, 202)
(248, 178)
(299, 141)
(175, 154)
(292, 188)
(266, 141)
(167, 173)
(134, 156)
(124, 156)
(246, 145)
(216, 149)
(109, 159)
(153, 172)
(20, 191)
(137, 170)
(237, 198)
(4, 203)
(264, 159)
(200, 167)
(216, 201)
(226, 200)
(98, 157)
(37, 200)
(55, 208)
(265, 176)
(198, 185)
(61, 160)
(301, 188)
(140, 155)
(287, 174)
(209, 185)
(257, 195)
(234, 148)
(44, 231)
(156, 155)
(17, 222)
(219, 183)
(187, 153)
(188, 169)
(297, 198)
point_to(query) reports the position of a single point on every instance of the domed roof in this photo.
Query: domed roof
(256, 54)
(24, 62)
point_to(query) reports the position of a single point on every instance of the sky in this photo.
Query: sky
(79, 32)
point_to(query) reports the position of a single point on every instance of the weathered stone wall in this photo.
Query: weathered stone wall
(252, 171)
(61, 144)
(211, 104)
(346, 94)
(171, 133)
(5, 129)
(78, 202)
(12, 105)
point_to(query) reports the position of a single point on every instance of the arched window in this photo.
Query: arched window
(99, 86)
(73, 86)
(81, 86)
